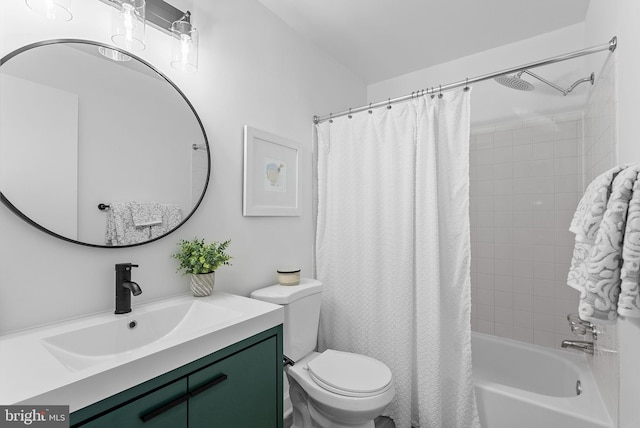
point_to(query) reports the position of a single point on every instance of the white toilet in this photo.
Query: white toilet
(332, 389)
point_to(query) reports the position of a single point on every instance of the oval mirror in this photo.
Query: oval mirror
(96, 146)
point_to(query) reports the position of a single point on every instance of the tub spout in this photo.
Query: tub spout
(586, 347)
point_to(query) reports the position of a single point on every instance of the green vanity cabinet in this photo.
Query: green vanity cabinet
(238, 386)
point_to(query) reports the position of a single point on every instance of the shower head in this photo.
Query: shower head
(514, 82)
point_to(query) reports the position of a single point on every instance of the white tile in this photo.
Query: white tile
(543, 185)
(523, 219)
(522, 152)
(563, 237)
(561, 271)
(523, 319)
(543, 271)
(503, 315)
(503, 283)
(503, 251)
(503, 219)
(484, 266)
(503, 139)
(565, 130)
(504, 330)
(523, 286)
(485, 250)
(544, 287)
(543, 305)
(484, 172)
(503, 299)
(544, 338)
(484, 157)
(522, 169)
(543, 202)
(503, 203)
(503, 187)
(484, 218)
(502, 154)
(562, 219)
(543, 132)
(544, 323)
(544, 253)
(543, 167)
(567, 201)
(567, 166)
(484, 141)
(523, 252)
(543, 150)
(484, 326)
(484, 234)
(502, 170)
(523, 185)
(485, 297)
(522, 235)
(563, 254)
(522, 302)
(503, 268)
(522, 136)
(484, 203)
(523, 334)
(484, 187)
(544, 219)
(523, 269)
(485, 281)
(544, 237)
(565, 148)
(485, 312)
(503, 235)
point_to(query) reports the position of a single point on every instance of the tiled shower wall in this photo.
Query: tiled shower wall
(526, 181)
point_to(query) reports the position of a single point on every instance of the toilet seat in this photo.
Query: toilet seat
(348, 374)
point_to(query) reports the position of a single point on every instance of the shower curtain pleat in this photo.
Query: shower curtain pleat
(393, 252)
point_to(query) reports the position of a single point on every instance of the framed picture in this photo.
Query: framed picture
(270, 175)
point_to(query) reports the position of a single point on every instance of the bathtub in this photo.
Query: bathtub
(519, 385)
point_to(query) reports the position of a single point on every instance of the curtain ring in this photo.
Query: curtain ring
(432, 94)
(466, 85)
(388, 103)
(350, 116)
(330, 120)
(370, 111)
(440, 94)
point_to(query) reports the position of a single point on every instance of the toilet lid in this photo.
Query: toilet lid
(350, 374)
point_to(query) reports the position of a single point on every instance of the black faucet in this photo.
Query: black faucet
(125, 287)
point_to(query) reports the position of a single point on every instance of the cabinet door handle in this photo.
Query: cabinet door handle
(160, 410)
(209, 385)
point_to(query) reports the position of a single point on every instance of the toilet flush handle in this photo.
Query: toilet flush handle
(287, 361)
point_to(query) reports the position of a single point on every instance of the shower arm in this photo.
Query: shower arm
(591, 79)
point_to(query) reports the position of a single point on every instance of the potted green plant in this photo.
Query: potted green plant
(200, 261)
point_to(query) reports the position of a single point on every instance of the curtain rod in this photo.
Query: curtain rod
(611, 46)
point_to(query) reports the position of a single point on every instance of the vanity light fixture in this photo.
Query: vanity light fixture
(128, 23)
(184, 49)
(164, 17)
(55, 10)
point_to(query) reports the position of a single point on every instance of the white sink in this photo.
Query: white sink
(122, 334)
(82, 361)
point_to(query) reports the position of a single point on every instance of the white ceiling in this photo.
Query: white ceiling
(381, 39)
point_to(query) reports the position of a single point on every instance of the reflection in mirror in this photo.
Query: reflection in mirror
(80, 129)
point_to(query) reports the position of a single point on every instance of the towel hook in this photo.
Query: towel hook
(103, 207)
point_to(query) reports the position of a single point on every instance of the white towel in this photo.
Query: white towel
(629, 299)
(120, 228)
(146, 213)
(586, 223)
(599, 297)
(171, 218)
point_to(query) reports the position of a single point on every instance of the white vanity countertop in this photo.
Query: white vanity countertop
(30, 374)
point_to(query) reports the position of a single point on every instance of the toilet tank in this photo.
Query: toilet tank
(301, 314)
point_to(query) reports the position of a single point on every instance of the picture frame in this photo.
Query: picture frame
(271, 175)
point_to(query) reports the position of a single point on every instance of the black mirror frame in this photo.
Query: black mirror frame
(24, 217)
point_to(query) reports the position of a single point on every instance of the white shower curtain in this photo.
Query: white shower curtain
(393, 251)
